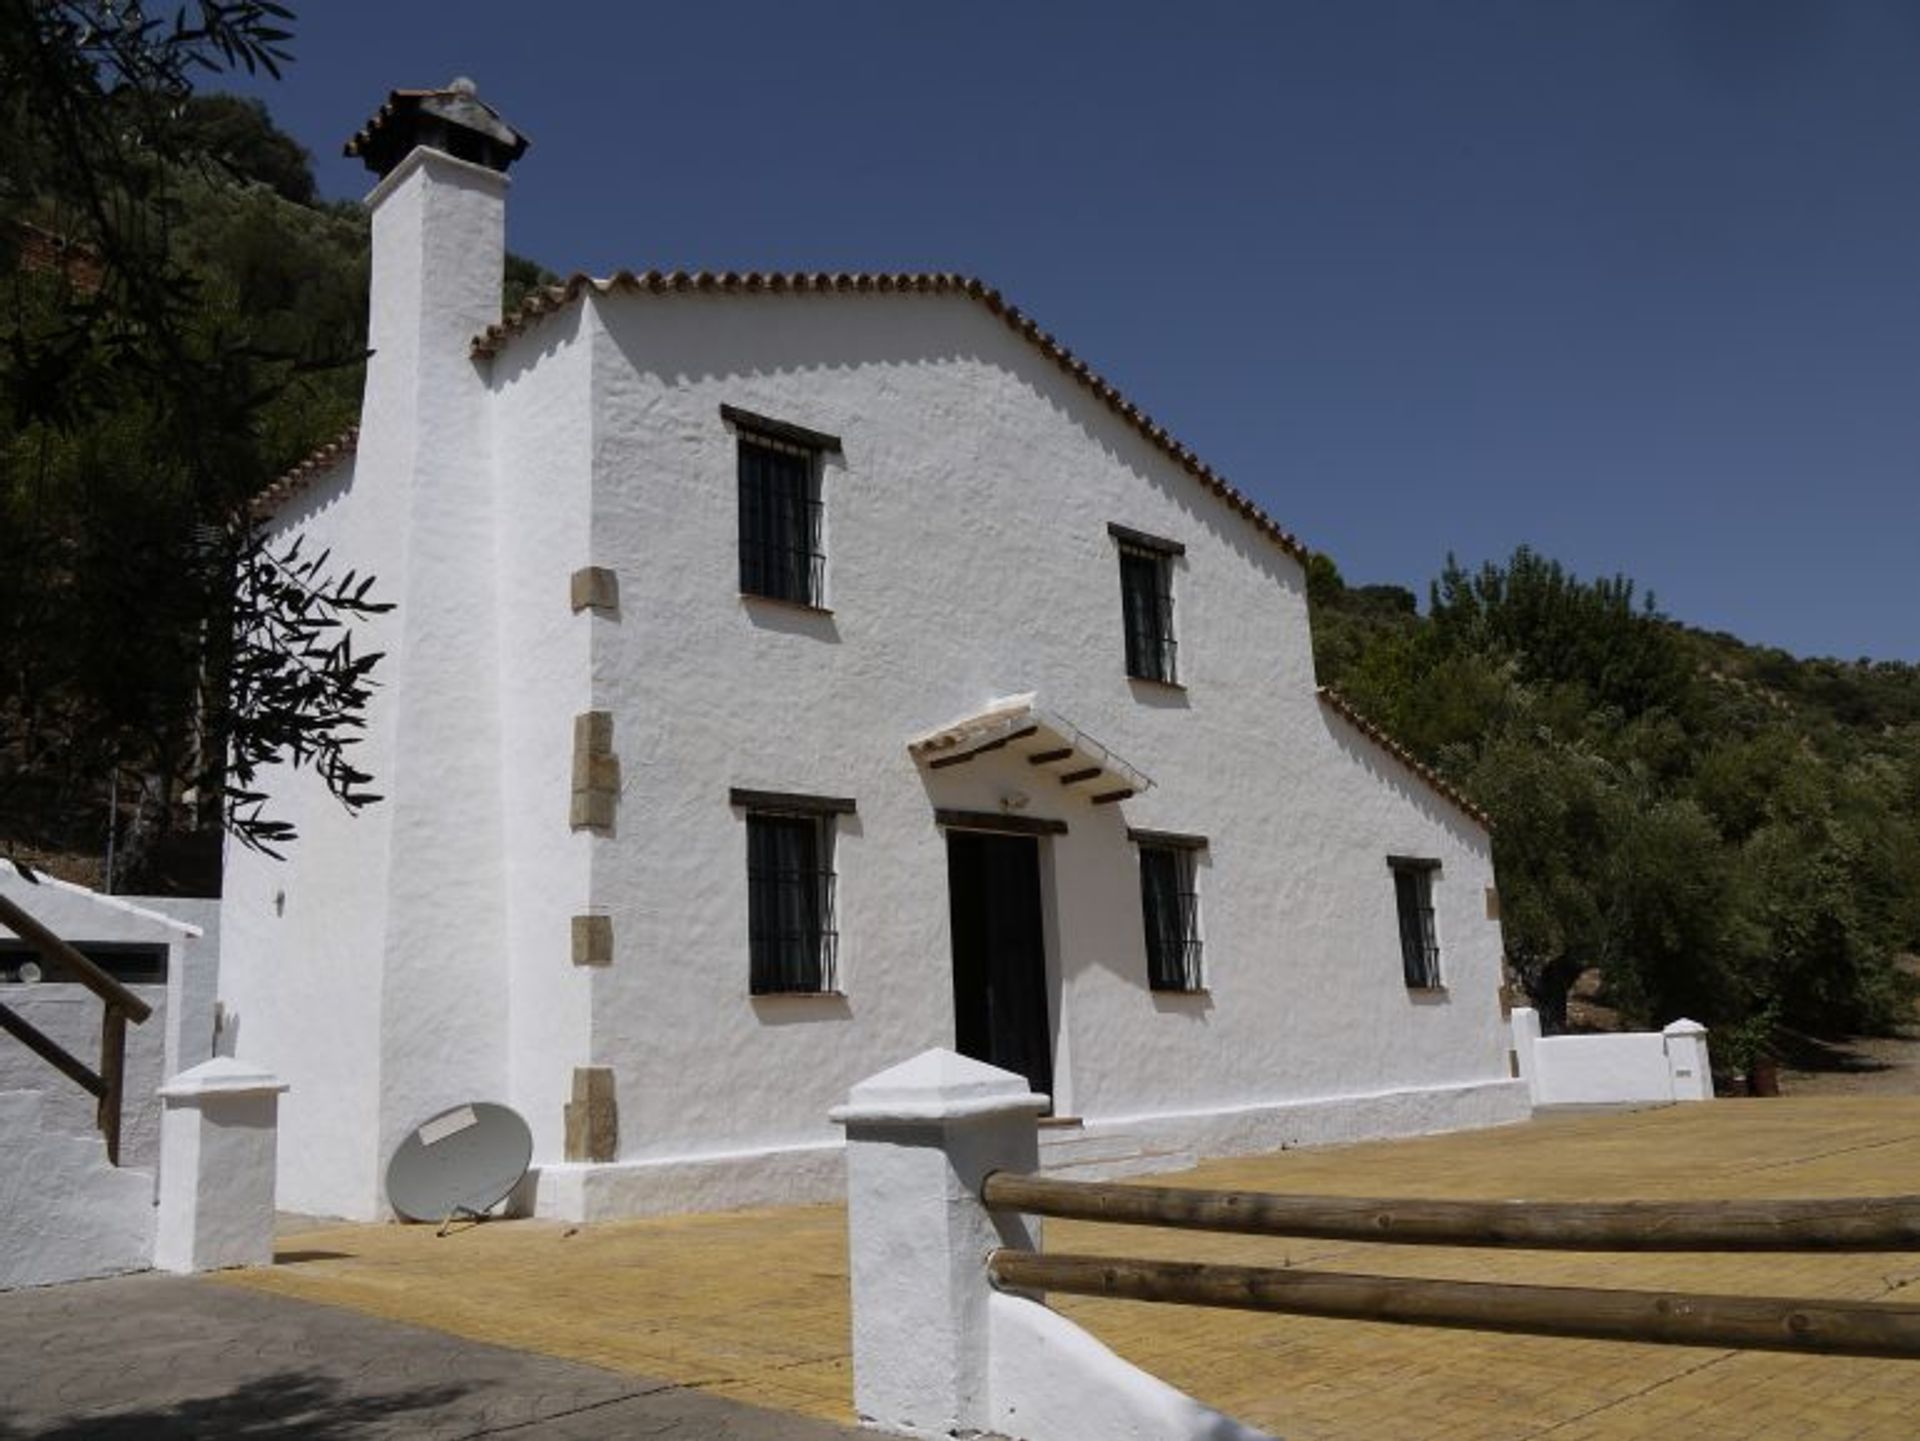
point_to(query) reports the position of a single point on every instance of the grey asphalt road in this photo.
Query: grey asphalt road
(142, 1358)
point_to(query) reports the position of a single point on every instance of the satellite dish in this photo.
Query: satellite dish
(463, 1161)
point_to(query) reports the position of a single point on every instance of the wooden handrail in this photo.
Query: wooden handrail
(1870, 1223)
(1765, 1323)
(85, 971)
(120, 1005)
(51, 1051)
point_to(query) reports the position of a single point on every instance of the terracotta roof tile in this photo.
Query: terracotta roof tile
(305, 473)
(545, 302)
(1344, 708)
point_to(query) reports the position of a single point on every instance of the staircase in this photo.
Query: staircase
(66, 1212)
(1069, 1149)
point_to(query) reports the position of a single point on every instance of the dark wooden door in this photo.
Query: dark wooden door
(999, 954)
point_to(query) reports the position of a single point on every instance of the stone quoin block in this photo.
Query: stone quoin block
(592, 1120)
(594, 587)
(596, 772)
(593, 940)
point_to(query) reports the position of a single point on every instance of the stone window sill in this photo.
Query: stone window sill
(805, 607)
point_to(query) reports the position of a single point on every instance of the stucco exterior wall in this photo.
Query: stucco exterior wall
(544, 429)
(419, 956)
(386, 999)
(303, 938)
(969, 558)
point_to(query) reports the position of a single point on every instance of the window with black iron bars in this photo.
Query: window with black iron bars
(1170, 909)
(1419, 940)
(1146, 596)
(781, 552)
(790, 917)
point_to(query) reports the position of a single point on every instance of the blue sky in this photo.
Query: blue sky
(1635, 283)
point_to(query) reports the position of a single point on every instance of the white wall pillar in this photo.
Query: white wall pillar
(218, 1138)
(1525, 1024)
(920, 1138)
(1687, 1060)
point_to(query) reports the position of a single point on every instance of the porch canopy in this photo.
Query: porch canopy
(1050, 744)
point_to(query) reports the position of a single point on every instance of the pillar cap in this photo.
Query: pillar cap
(222, 1076)
(938, 1085)
(1684, 1027)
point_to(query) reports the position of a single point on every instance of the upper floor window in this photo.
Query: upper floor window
(1146, 603)
(1419, 940)
(782, 528)
(792, 939)
(1170, 909)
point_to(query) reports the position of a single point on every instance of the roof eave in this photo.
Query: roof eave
(538, 306)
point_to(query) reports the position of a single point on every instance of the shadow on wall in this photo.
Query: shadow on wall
(290, 1404)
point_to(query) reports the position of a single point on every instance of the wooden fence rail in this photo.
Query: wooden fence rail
(1871, 1223)
(1768, 1323)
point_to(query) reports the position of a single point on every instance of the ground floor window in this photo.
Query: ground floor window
(791, 937)
(1170, 910)
(1419, 940)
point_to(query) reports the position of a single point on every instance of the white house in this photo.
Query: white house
(793, 672)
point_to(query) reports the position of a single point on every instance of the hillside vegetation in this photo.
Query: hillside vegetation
(182, 321)
(1727, 832)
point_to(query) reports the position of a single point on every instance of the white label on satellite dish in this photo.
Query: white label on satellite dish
(451, 1124)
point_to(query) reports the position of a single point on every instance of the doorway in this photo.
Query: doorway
(999, 954)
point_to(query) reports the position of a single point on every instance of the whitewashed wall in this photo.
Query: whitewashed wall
(303, 937)
(969, 558)
(419, 955)
(369, 969)
(1628, 1068)
(544, 431)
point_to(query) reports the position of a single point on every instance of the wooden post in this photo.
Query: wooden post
(1764, 1323)
(1870, 1223)
(113, 1058)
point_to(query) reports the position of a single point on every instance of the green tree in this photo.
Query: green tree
(1726, 831)
(143, 409)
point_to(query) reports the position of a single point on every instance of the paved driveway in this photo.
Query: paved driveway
(752, 1306)
(153, 1358)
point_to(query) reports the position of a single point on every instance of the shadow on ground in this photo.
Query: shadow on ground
(288, 1404)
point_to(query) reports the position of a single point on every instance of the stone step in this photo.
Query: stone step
(1099, 1155)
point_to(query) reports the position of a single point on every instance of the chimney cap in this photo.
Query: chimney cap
(452, 118)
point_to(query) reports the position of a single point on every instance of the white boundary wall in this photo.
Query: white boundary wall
(1639, 1066)
(179, 1033)
(936, 1350)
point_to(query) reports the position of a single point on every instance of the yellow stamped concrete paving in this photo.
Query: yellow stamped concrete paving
(752, 1305)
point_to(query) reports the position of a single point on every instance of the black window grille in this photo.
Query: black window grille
(1146, 598)
(1170, 909)
(790, 923)
(781, 551)
(1419, 942)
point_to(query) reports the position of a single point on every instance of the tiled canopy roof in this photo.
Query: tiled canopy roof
(1341, 706)
(545, 302)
